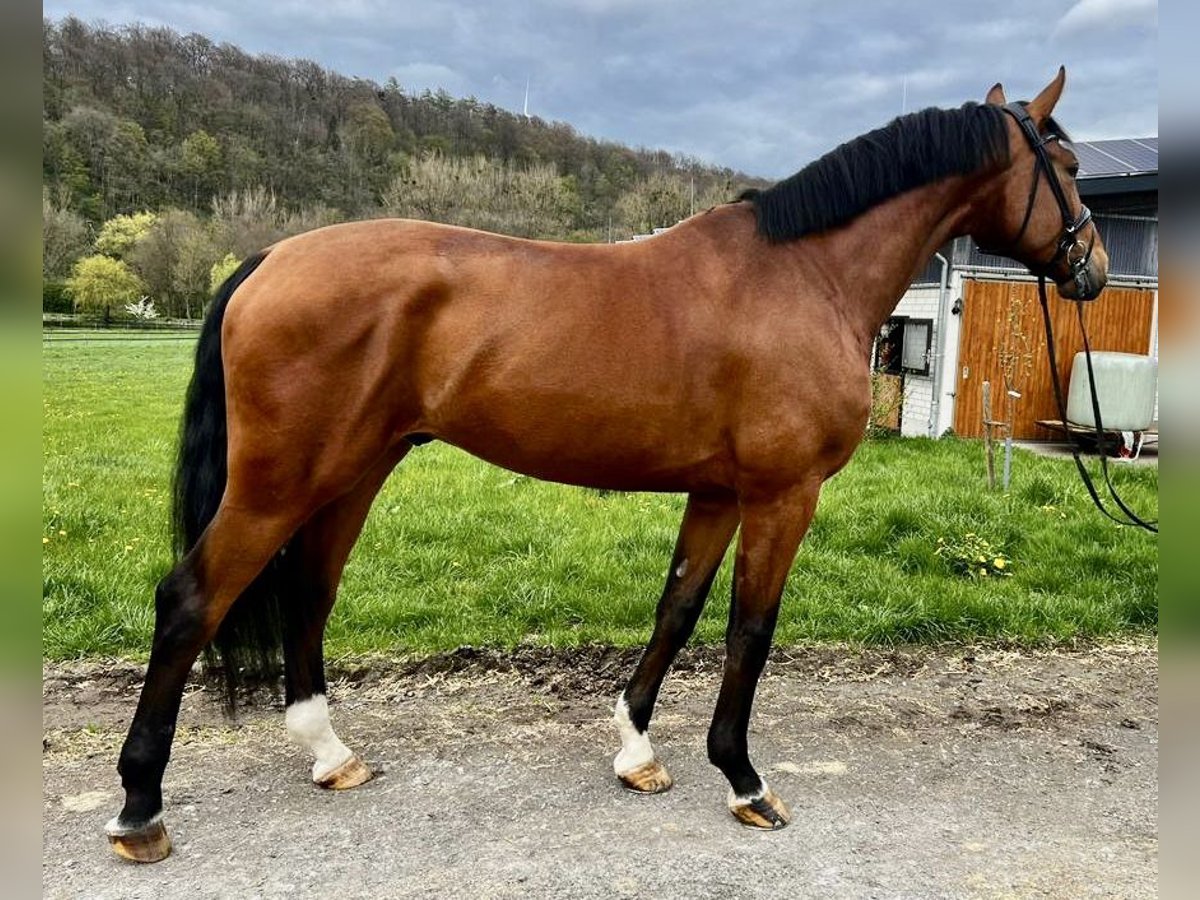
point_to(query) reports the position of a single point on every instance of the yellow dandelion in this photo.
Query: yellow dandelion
(983, 572)
(61, 533)
(999, 562)
(45, 540)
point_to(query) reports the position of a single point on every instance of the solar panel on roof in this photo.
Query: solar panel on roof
(1117, 157)
(1093, 161)
(1140, 157)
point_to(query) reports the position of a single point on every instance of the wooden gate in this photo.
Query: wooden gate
(1002, 332)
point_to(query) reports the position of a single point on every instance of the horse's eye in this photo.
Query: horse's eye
(1073, 170)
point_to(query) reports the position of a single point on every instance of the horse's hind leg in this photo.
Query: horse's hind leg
(772, 528)
(189, 604)
(324, 545)
(708, 524)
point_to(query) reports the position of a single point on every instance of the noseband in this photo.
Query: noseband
(1070, 244)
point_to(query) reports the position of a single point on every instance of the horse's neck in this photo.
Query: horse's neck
(871, 262)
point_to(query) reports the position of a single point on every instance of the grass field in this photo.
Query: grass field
(458, 552)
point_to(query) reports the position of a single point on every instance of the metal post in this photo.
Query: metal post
(989, 449)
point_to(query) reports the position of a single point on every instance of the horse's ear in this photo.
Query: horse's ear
(1043, 105)
(996, 95)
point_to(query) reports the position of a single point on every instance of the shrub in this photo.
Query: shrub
(55, 298)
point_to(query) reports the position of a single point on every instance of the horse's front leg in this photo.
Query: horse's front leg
(772, 528)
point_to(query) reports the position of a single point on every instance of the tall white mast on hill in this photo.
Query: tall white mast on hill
(525, 112)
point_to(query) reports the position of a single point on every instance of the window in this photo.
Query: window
(903, 346)
(918, 338)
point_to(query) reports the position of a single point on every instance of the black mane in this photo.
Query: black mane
(907, 153)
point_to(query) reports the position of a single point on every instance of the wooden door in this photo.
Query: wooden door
(1002, 330)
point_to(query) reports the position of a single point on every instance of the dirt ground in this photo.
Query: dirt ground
(916, 773)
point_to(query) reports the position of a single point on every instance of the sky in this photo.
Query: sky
(760, 86)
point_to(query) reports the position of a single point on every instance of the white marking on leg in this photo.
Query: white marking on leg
(308, 724)
(635, 745)
(736, 800)
(681, 569)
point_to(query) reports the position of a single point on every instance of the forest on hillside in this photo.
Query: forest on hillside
(168, 157)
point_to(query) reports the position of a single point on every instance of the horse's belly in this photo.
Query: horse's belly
(571, 447)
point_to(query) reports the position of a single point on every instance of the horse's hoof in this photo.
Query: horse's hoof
(764, 811)
(349, 774)
(145, 843)
(648, 778)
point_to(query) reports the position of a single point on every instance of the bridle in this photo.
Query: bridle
(1070, 243)
(1078, 254)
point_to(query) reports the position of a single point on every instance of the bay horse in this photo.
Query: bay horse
(726, 358)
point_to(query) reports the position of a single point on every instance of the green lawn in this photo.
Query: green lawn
(458, 552)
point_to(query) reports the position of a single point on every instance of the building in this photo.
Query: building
(971, 317)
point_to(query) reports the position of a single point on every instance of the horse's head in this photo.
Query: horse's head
(1035, 216)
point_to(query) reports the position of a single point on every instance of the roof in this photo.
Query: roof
(1124, 166)
(1128, 156)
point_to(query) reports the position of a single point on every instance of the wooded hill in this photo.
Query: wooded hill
(145, 118)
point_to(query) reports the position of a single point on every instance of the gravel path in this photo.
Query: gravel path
(943, 773)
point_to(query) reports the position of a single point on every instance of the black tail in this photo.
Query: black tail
(248, 644)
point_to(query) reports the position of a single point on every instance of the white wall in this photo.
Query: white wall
(918, 303)
(917, 416)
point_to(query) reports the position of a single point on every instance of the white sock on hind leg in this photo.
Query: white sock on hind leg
(308, 724)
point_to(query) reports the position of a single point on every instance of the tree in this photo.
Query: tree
(201, 161)
(221, 270)
(64, 238)
(120, 234)
(100, 282)
(528, 201)
(174, 260)
(656, 202)
(114, 151)
(542, 203)
(246, 220)
(193, 269)
(432, 188)
(369, 133)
